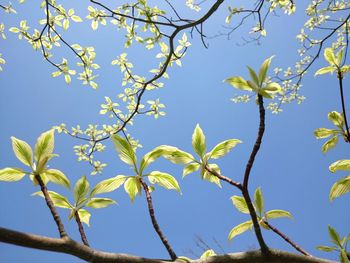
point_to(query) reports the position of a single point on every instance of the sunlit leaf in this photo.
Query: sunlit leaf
(57, 177)
(198, 141)
(329, 56)
(340, 165)
(84, 216)
(253, 76)
(259, 201)
(277, 214)
(241, 228)
(264, 68)
(44, 145)
(240, 204)
(322, 133)
(57, 199)
(336, 118)
(330, 144)
(326, 248)
(11, 174)
(325, 70)
(108, 185)
(223, 148)
(125, 150)
(334, 236)
(163, 179)
(340, 187)
(190, 168)
(81, 189)
(100, 202)
(22, 151)
(239, 83)
(133, 187)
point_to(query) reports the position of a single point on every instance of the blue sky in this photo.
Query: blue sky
(290, 167)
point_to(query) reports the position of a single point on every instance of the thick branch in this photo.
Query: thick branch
(154, 221)
(68, 246)
(52, 208)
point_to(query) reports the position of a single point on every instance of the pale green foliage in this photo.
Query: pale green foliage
(258, 83)
(132, 187)
(337, 120)
(263, 216)
(36, 162)
(342, 186)
(339, 245)
(335, 62)
(163, 179)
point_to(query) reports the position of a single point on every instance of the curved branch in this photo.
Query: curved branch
(68, 246)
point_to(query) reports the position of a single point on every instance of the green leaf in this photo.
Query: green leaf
(329, 56)
(57, 177)
(273, 87)
(108, 185)
(240, 204)
(223, 148)
(81, 189)
(340, 56)
(241, 228)
(253, 76)
(263, 69)
(336, 118)
(22, 151)
(133, 187)
(44, 145)
(178, 156)
(100, 202)
(340, 187)
(259, 201)
(125, 150)
(151, 156)
(325, 70)
(76, 18)
(239, 83)
(208, 176)
(326, 248)
(277, 214)
(330, 144)
(11, 174)
(198, 141)
(163, 179)
(335, 238)
(340, 165)
(208, 253)
(322, 133)
(57, 199)
(84, 216)
(190, 168)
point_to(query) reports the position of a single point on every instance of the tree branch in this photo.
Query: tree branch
(81, 229)
(154, 221)
(68, 246)
(340, 78)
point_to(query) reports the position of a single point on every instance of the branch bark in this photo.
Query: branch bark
(68, 246)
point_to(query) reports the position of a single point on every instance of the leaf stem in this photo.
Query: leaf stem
(81, 229)
(287, 239)
(52, 208)
(154, 220)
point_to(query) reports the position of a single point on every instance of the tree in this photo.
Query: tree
(166, 32)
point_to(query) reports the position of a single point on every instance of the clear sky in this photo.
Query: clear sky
(290, 167)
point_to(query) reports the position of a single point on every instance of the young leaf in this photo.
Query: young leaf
(178, 156)
(240, 204)
(340, 187)
(334, 236)
(190, 168)
(263, 69)
(277, 214)
(57, 199)
(223, 148)
(44, 145)
(133, 187)
(208, 253)
(84, 216)
(326, 248)
(57, 177)
(100, 202)
(340, 165)
(151, 156)
(253, 76)
(81, 189)
(336, 118)
(165, 180)
(330, 144)
(108, 185)
(259, 201)
(325, 70)
(198, 141)
(343, 256)
(329, 56)
(238, 83)
(241, 228)
(322, 133)
(125, 150)
(22, 151)
(11, 174)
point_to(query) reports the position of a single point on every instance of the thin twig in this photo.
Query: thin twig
(287, 239)
(154, 221)
(81, 229)
(340, 78)
(52, 208)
